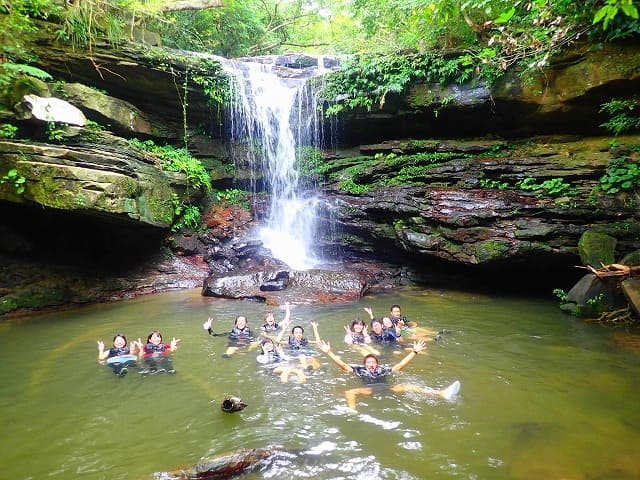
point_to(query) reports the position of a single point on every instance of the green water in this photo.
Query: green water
(544, 395)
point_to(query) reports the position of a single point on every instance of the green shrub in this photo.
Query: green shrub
(177, 160)
(8, 131)
(15, 179)
(553, 187)
(621, 175)
(625, 115)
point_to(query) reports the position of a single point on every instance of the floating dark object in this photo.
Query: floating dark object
(232, 404)
(227, 465)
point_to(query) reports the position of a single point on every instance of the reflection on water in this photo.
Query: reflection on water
(543, 395)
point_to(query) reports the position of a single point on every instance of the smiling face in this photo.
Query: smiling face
(376, 327)
(267, 346)
(241, 322)
(119, 341)
(371, 363)
(297, 333)
(269, 319)
(155, 338)
(387, 323)
(396, 311)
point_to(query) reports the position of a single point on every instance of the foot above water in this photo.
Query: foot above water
(451, 390)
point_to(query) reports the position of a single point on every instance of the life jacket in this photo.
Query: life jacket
(116, 352)
(151, 350)
(296, 344)
(357, 338)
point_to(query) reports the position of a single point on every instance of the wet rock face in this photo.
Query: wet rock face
(483, 216)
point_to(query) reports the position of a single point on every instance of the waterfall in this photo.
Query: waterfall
(272, 119)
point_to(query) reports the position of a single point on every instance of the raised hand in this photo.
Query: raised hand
(419, 345)
(324, 346)
(207, 325)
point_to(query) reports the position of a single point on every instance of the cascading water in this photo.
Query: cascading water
(273, 118)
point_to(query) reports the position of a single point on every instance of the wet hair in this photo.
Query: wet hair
(297, 326)
(386, 318)
(120, 335)
(157, 332)
(265, 341)
(395, 306)
(376, 320)
(269, 314)
(371, 355)
(357, 322)
(235, 322)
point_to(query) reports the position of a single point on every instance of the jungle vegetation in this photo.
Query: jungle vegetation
(499, 33)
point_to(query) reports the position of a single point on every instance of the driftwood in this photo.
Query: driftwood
(614, 270)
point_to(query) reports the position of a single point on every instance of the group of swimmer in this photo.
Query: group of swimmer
(385, 331)
(154, 354)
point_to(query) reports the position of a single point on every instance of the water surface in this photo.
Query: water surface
(544, 395)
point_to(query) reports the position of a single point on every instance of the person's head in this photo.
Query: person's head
(297, 332)
(376, 326)
(241, 322)
(267, 346)
(396, 311)
(154, 337)
(119, 340)
(357, 326)
(269, 318)
(386, 322)
(371, 362)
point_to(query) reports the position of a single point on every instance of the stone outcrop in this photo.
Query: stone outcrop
(468, 208)
(110, 180)
(563, 98)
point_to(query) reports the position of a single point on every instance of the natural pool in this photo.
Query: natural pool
(543, 396)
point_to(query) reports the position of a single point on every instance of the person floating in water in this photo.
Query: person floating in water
(381, 335)
(357, 335)
(119, 349)
(372, 372)
(239, 335)
(403, 325)
(270, 325)
(273, 356)
(156, 354)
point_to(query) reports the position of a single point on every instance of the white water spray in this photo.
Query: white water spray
(273, 117)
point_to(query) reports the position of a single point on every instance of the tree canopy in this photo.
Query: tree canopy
(498, 33)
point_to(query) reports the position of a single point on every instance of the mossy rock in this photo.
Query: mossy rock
(596, 249)
(492, 250)
(22, 86)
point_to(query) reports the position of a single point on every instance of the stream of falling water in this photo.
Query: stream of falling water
(274, 124)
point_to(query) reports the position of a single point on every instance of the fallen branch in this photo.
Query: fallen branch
(613, 270)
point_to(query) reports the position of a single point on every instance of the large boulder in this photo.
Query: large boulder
(596, 249)
(592, 296)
